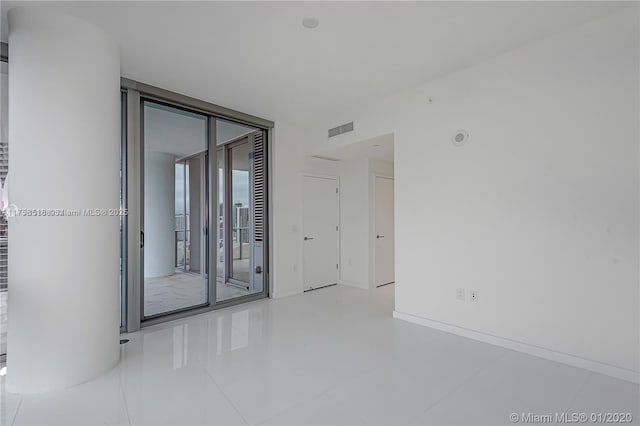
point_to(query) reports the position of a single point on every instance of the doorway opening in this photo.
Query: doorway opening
(365, 170)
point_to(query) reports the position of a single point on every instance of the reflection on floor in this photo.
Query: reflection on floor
(182, 290)
(329, 357)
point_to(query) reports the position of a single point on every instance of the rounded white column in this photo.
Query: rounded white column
(64, 139)
(159, 214)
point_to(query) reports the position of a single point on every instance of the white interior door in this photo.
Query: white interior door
(384, 269)
(320, 232)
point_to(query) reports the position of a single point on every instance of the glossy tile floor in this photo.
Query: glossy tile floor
(330, 357)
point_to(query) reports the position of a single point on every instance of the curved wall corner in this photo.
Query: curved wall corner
(64, 138)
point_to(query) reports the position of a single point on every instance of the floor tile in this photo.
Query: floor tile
(514, 383)
(178, 391)
(603, 394)
(98, 402)
(9, 403)
(321, 411)
(329, 357)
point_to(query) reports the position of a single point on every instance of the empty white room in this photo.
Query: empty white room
(319, 213)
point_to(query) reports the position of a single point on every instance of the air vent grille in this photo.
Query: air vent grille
(345, 128)
(322, 157)
(258, 186)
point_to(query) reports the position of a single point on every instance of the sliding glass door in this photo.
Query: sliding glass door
(175, 177)
(195, 187)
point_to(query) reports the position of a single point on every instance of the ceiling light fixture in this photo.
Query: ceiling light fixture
(310, 23)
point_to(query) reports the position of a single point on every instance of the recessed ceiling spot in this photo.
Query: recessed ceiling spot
(460, 137)
(310, 23)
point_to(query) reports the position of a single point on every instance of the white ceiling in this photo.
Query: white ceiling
(257, 58)
(379, 148)
(227, 131)
(172, 131)
(182, 133)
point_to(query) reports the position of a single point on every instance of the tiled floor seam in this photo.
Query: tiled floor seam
(124, 397)
(460, 386)
(324, 392)
(15, 416)
(580, 389)
(226, 397)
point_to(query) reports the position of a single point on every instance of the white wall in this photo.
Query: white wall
(354, 222)
(159, 214)
(539, 211)
(196, 213)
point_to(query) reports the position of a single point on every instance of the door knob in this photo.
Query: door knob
(379, 236)
(308, 238)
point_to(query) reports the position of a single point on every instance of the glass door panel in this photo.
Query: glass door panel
(242, 209)
(221, 273)
(175, 144)
(240, 213)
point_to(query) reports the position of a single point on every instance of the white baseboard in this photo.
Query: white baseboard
(287, 293)
(354, 284)
(574, 361)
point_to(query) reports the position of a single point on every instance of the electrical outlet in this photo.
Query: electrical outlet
(474, 295)
(460, 294)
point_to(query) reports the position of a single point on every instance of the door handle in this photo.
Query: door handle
(141, 239)
(258, 269)
(308, 238)
(379, 236)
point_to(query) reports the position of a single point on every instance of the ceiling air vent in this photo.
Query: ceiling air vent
(348, 127)
(322, 157)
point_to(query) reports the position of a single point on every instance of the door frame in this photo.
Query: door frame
(336, 178)
(133, 146)
(228, 209)
(372, 240)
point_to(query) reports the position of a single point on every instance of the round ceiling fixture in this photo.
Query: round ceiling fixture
(310, 23)
(460, 137)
